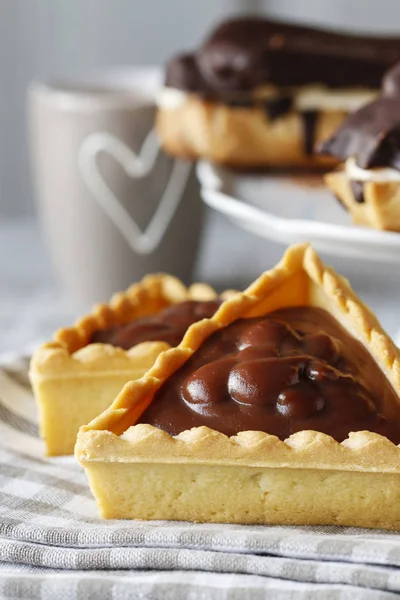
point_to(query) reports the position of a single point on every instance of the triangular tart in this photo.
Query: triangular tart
(284, 407)
(77, 375)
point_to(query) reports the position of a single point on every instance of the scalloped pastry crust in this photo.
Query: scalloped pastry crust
(381, 206)
(75, 381)
(139, 471)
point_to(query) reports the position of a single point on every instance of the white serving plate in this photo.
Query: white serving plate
(289, 209)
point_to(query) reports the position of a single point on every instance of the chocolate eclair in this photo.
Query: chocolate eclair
(368, 141)
(260, 93)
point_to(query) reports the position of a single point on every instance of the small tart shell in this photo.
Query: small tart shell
(381, 206)
(74, 381)
(139, 471)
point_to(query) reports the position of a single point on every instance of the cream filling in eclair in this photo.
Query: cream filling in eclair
(170, 98)
(304, 98)
(326, 99)
(381, 174)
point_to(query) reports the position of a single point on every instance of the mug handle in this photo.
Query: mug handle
(136, 166)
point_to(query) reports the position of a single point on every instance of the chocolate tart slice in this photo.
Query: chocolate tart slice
(281, 408)
(77, 375)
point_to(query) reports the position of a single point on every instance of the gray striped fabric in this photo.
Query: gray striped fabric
(53, 545)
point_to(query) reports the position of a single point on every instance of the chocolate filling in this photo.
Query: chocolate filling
(277, 107)
(357, 187)
(241, 102)
(290, 370)
(168, 325)
(274, 107)
(310, 118)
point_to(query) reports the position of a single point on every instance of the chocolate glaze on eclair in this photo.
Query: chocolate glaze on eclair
(242, 54)
(371, 135)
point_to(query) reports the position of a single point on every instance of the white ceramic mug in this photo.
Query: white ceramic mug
(113, 205)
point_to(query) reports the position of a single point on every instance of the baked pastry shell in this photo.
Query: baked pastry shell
(381, 206)
(74, 380)
(334, 483)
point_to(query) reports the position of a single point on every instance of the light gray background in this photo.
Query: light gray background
(44, 38)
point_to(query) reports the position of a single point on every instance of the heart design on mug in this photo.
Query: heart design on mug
(136, 166)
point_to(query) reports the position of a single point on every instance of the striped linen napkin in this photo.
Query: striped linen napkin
(52, 545)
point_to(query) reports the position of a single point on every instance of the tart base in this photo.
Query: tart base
(64, 405)
(381, 206)
(239, 494)
(67, 400)
(242, 137)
